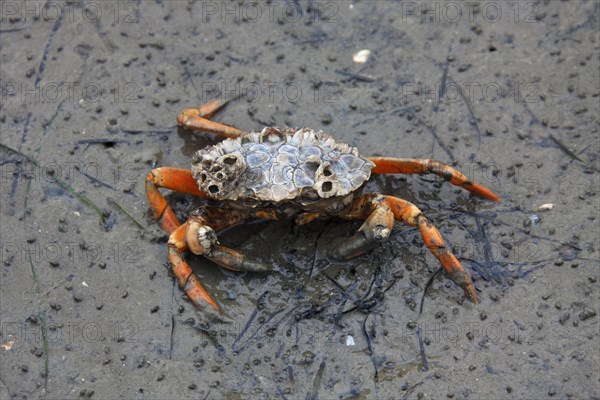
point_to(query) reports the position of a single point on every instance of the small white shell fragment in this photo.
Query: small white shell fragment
(361, 56)
(546, 207)
(84, 284)
(8, 345)
(535, 219)
(349, 341)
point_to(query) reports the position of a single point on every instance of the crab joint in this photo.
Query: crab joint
(200, 238)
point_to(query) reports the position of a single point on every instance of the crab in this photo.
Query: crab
(280, 173)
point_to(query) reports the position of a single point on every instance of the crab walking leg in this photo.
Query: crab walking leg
(197, 119)
(198, 237)
(411, 215)
(387, 165)
(379, 213)
(209, 109)
(177, 179)
(188, 282)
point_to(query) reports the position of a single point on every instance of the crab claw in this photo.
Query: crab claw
(235, 261)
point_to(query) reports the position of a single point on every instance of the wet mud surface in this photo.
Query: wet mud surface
(506, 93)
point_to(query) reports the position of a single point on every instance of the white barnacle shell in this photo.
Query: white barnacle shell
(278, 165)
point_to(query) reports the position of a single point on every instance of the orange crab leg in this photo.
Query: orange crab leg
(184, 274)
(209, 109)
(388, 165)
(197, 236)
(177, 179)
(379, 213)
(197, 119)
(408, 213)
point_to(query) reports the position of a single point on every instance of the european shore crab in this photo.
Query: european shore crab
(287, 173)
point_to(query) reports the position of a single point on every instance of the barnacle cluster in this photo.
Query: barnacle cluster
(279, 165)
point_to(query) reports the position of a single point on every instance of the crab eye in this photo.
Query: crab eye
(326, 187)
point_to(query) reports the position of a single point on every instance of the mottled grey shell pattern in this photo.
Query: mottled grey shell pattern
(280, 165)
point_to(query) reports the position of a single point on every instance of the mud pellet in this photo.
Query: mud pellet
(587, 313)
(308, 357)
